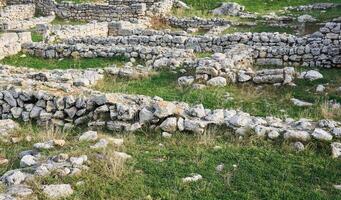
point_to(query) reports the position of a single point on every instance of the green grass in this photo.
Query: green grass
(36, 37)
(66, 63)
(60, 21)
(260, 6)
(263, 170)
(266, 101)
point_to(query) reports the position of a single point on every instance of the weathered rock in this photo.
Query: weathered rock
(311, 75)
(20, 191)
(57, 191)
(321, 134)
(229, 8)
(15, 178)
(164, 109)
(169, 125)
(306, 18)
(298, 146)
(27, 161)
(336, 149)
(297, 135)
(217, 82)
(102, 143)
(300, 103)
(185, 81)
(88, 136)
(192, 178)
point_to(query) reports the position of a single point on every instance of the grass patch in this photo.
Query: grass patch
(60, 21)
(36, 37)
(264, 101)
(66, 63)
(260, 6)
(253, 168)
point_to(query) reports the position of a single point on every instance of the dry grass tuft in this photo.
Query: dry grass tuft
(330, 112)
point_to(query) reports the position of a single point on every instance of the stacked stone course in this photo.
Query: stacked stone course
(321, 49)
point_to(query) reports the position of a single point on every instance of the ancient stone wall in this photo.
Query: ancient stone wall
(321, 49)
(26, 24)
(17, 12)
(87, 12)
(15, 2)
(130, 2)
(60, 32)
(90, 51)
(120, 112)
(10, 43)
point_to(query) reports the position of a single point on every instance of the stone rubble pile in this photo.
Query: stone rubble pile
(33, 164)
(70, 80)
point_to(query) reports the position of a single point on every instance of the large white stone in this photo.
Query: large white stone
(57, 191)
(321, 134)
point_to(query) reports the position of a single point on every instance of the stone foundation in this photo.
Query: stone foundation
(321, 49)
(17, 12)
(10, 43)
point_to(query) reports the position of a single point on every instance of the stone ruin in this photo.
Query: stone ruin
(63, 99)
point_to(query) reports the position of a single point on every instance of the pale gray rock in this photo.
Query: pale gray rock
(192, 178)
(44, 145)
(164, 109)
(300, 103)
(169, 125)
(78, 160)
(166, 135)
(101, 144)
(122, 155)
(229, 8)
(337, 132)
(320, 134)
(297, 135)
(197, 111)
(320, 88)
(185, 81)
(217, 82)
(57, 191)
(298, 146)
(20, 191)
(88, 136)
(336, 149)
(240, 119)
(15, 178)
(27, 161)
(145, 116)
(306, 18)
(311, 75)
